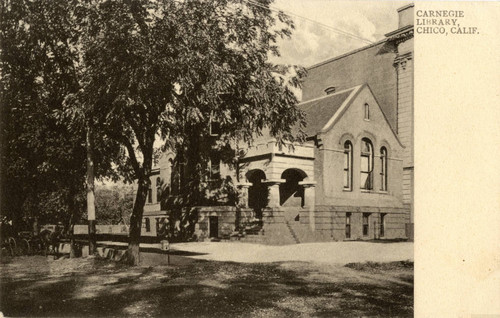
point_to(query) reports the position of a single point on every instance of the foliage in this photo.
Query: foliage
(43, 149)
(135, 70)
(113, 204)
(225, 79)
(42, 163)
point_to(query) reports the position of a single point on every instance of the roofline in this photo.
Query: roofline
(347, 54)
(365, 47)
(406, 6)
(400, 30)
(385, 117)
(326, 96)
(340, 111)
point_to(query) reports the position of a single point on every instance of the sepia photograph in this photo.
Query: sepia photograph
(215, 158)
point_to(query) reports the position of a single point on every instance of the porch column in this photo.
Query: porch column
(273, 186)
(243, 193)
(309, 200)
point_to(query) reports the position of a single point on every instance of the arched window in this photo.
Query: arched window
(150, 194)
(347, 165)
(158, 189)
(367, 112)
(383, 169)
(366, 164)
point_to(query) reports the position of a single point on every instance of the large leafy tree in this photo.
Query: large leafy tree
(226, 80)
(164, 68)
(41, 161)
(43, 157)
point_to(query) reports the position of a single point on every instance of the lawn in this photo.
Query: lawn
(41, 286)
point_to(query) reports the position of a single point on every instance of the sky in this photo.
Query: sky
(311, 43)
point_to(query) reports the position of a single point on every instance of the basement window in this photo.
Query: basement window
(382, 224)
(147, 224)
(365, 223)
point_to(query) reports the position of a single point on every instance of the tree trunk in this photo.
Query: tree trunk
(194, 153)
(132, 256)
(90, 194)
(70, 225)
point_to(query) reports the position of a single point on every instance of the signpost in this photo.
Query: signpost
(165, 246)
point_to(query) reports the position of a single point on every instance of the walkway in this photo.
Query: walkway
(324, 252)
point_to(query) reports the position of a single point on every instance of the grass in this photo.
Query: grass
(38, 286)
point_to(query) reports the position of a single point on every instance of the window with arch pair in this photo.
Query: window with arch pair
(366, 166)
(158, 191)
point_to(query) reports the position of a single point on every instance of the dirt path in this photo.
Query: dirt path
(39, 286)
(327, 252)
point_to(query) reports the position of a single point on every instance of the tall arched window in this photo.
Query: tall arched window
(158, 189)
(366, 164)
(150, 194)
(347, 165)
(383, 169)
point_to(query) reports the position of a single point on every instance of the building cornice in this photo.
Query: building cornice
(400, 35)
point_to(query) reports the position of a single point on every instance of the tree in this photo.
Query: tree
(114, 204)
(226, 79)
(164, 68)
(41, 166)
(43, 153)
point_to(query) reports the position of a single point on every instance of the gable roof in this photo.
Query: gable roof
(320, 111)
(372, 64)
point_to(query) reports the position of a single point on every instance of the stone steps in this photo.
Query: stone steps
(292, 232)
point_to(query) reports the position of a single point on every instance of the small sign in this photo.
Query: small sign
(165, 245)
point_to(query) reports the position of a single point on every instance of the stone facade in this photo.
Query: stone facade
(220, 221)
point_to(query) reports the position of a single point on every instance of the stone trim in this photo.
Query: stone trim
(244, 184)
(308, 184)
(361, 209)
(402, 60)
(274, 181)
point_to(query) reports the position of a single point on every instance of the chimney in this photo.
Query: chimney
(405, 15)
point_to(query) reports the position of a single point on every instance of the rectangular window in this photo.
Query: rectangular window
(347, 166)
(382, 225)
(214, 128)
(214, 166)
(383, 169)
(347, 170)
(365, 223)
(366, 167)
(348, 225)
(365, 173)
(147, 224)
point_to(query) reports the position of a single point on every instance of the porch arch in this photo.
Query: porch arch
(257, 192)
(291, 192)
